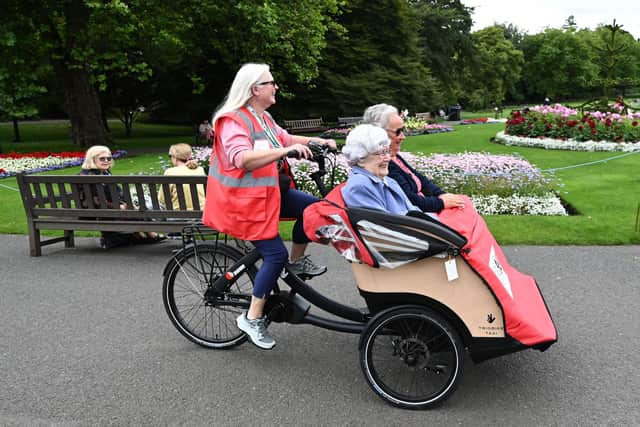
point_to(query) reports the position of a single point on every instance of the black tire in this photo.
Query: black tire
(411, 357)
(206, 320)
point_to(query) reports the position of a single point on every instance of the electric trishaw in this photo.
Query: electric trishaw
(434, 289)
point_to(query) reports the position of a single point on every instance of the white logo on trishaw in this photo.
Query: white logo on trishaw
(497, 269)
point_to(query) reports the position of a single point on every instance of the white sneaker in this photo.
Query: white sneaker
(256, 330)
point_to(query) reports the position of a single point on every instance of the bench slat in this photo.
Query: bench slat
(123, 226)
(346, 121)
(304, 125)
(140, 196)
(64, 195)
(153, 192)
(38, 195)
(50, 194)
(99, 214)
(195, 200)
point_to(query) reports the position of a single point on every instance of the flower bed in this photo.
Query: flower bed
(548, 204)
(336, 133)
(416, 126)
(12, 163)
(413, 126)
(565, 124)
(497, 184)
(565, 144)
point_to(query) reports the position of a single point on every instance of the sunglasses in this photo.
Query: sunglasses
(105, 159)
(270, 82)
(397, 132)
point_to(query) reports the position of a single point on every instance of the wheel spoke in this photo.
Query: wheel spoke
(411, 357)
(203, 319)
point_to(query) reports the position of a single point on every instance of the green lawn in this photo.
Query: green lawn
(38, 136)
(606, 195)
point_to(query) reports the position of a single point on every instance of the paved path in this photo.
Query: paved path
(85, 341)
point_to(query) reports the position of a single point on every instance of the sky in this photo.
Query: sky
(532, 17)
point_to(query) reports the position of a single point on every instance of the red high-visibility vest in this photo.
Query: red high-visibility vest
(244, 204)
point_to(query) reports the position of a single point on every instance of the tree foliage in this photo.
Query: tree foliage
(444, 37)
(375, 60)
(177, 59)
(496, 72)
(20, 74)
(289, 36)
(617, 56)
(559, 65)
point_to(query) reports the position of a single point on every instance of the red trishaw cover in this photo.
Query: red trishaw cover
(527, 318)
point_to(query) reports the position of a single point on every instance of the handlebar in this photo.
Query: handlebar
(318, 150)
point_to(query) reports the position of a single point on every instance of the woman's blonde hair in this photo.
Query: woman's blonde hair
(240, 92)
(184, 153)
(91, 154)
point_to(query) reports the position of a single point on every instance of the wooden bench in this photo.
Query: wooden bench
(53, 202)
(304, 125)
(348, 121)
(424, 116)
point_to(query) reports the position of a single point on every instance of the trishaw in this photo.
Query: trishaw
(432, 291)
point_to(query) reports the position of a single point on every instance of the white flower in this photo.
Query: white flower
(569, 144)
(517, 204)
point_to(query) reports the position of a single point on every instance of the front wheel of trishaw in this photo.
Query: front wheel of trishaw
(207, 320)
(411, 357)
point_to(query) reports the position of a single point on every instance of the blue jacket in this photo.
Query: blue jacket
(427, 200)
(365, 190)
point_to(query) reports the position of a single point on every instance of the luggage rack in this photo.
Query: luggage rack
(197, 234)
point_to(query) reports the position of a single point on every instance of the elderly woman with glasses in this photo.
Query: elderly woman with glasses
(368, 153)
(98, 160)
(421, 191)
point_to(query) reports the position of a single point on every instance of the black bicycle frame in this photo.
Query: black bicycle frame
(300, 287)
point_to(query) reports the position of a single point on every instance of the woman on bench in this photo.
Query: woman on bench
(98, 161)
(183, 164)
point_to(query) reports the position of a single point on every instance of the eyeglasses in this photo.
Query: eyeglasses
(382, 153)
(397, 132)
(270, 82)
(105, 159)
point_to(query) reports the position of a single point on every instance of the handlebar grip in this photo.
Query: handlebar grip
(321, 149)
(293, 154)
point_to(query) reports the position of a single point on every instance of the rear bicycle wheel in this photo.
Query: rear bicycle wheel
(204, 318)
(411, 357)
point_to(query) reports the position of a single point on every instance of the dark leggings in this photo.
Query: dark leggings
(274, 252)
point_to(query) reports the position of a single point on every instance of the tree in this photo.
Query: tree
(512, 33)
(570, 24)
(497, 70)
(376, 60)
(20, 75)
(87, 43)
(616, 57)
(444, 37)
(559, 65)
(289, 36)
